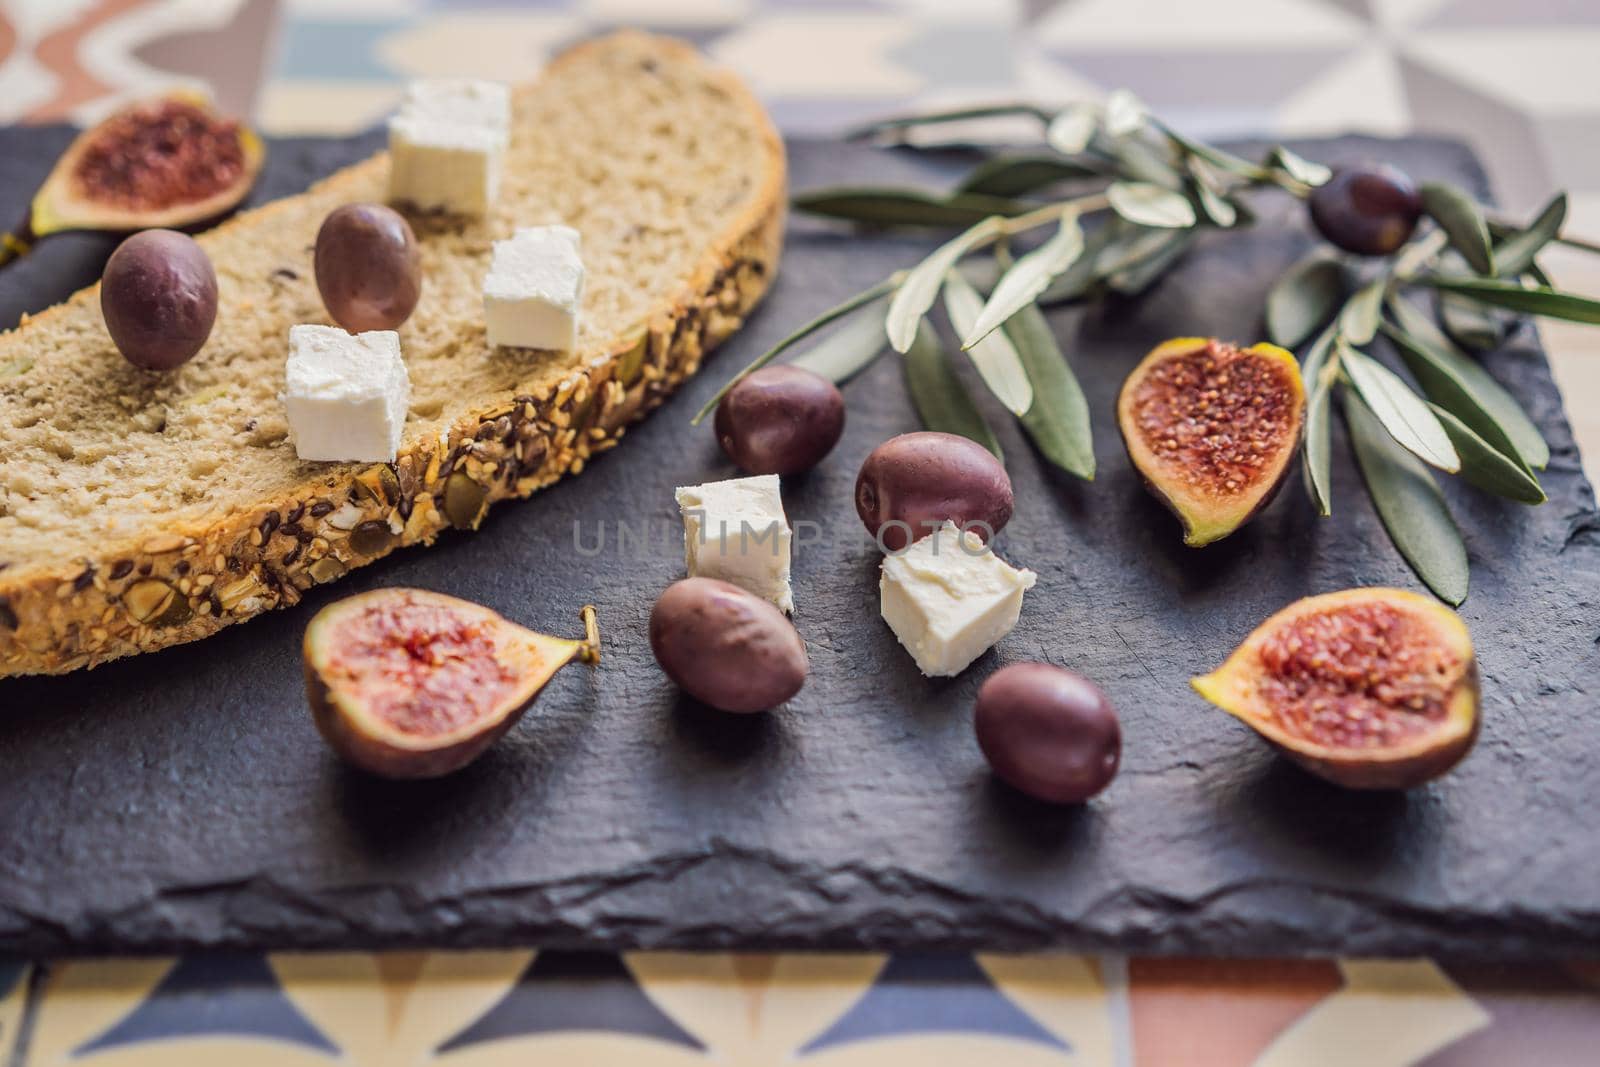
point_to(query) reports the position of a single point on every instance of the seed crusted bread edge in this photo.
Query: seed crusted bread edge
(187, 583)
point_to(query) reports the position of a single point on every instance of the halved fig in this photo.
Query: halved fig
(166, 162)
(405, 683)
(1212, 428)
(1368, 688)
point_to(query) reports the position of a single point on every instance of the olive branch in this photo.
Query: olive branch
(1145, 190)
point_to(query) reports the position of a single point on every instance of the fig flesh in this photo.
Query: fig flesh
(166, 162)
(1368, 688)
(1213, 428)
(406, 683)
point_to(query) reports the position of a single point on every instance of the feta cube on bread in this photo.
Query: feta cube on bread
(346, 395)
(533, 292)
(447, 145)
(949, 599)
(121, 489)
(736, 530)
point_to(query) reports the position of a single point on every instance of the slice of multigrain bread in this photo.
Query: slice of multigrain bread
(139, 510)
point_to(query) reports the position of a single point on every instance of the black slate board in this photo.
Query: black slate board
(182, 800)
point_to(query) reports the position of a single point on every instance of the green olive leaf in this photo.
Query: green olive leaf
(1029, 277)
(849, 350)
(1139, 276)
(1138, 161)
(1409, 503)
(937, 393)
(993, 354)
(838, 311)
(1007, 176)
(1462, 221)
(1298, 167)
(1362, 313)
(897, 123)
(1125, 113)
(1514, 255)
(1079, 278)
(1470, 325)
(1407, 418)
(1218, 209)
(1304, 299)
(1215, 156)
(917, 293)
(1485, 466)
(1058, 421)
(1127, 245)
(1316, 456)
(1459, 383)
(903, 207)
(1530, 300)
(1072, 129)
(1144, 204)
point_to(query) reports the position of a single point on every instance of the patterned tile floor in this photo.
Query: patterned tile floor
(1519, 81)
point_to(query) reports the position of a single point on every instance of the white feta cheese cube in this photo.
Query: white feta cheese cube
(735, 530)
(447, 143)
(534, 289)
(346, 394)
(949, 599)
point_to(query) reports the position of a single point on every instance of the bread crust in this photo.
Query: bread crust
(191, 580)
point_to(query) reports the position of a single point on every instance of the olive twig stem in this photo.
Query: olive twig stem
(1050, 213)
(589, 648)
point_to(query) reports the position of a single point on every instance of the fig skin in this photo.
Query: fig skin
(780, 420)
(1405, 764)
(1048, 732)
(370, 742)
(1205, 518)
(726, 647)
(911, 484)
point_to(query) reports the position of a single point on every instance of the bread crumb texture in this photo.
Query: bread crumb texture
(142, 509)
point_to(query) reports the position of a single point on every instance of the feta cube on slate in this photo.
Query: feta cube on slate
(735, 530)
(347, 394)
(447, 143)
(949, 599)
(534, 289)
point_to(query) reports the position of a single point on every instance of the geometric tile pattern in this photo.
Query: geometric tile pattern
(1520, 81)
(498, 1009)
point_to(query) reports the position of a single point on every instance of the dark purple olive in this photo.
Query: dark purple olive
(726, 647)
(1370, 210)
(159, 298)
(1048, 732)
(780, 420)
(911, 484)
(369, 270)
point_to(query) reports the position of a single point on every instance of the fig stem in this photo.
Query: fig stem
(589, 649)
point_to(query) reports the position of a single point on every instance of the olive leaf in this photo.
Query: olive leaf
(936, 392)
(993, 355)
(1029, 277)
(1530, 300)
(1006, 176)
(1407, 418)
(1139, 276)
(1139, 162)
(1361, 315)
(1462, 221)
(898, 123)
(849, 350)
(1084, 272)
(1470, 325)
(1217, 209)
(1298, 167)
(903, 207)
(1316, 456)
(916, 294)
(838, 311)
(1127, 245)
(1072, 129)
(1409, 503)
(1058, 421)
(1125, 113)
(1514, 255)
(1217, 157)
(1304, 299)
(1487, 467)
(1144, 204)
(1459, 383)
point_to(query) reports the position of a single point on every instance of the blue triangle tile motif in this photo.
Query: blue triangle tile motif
(211, 995)
(568, 991)
(918, 993)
